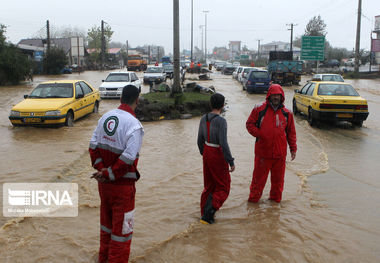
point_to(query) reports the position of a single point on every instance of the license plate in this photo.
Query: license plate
(111, 94)
(259, 83)
(32, 120)
(344, 115)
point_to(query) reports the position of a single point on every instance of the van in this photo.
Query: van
(257, 81)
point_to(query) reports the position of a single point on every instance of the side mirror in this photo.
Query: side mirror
(26, 96)
(102, 80)
(79, 96)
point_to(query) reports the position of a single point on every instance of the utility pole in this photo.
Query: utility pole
(127, 53)
(103, 49)
(357, 46)
(148, 54)
(177, 82)
(205, 12)
(192, 33)
(201, 27)
(291, 34)
(48, 36)
(258, 48)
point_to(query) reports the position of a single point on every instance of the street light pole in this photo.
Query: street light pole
(192, 31)
(357, 45)
(205, 12)
(176, 83)
(258, 48)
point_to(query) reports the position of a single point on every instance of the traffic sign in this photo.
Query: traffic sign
(313, 48)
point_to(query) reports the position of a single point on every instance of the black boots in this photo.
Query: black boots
(208, 212)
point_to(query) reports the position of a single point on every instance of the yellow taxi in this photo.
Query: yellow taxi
(56, 103)
(330, 101)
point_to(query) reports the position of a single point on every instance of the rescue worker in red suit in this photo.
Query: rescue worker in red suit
(273, 126)
(213, 146)
(114, 151)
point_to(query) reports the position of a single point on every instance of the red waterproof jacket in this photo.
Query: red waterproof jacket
(272, 129)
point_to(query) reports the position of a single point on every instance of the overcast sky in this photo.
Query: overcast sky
(150, 21)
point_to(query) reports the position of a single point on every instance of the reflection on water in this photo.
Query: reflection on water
(331, 190)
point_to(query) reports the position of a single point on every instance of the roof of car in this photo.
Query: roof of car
(120, 72)
(330, 82)
(62, 81)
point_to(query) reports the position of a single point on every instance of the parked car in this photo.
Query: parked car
(236, 72)
(66, 70)
(219, 65)
(113, 85)
(328, 77)
(154, 74)
(169, 70)
(58, 102)
(244, 73)
(228, 69)
(351, 62)
(328, 100)
(257, 81)
(332, 63)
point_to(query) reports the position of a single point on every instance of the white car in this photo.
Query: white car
(113, 85)
(236, 72)
(243, 74)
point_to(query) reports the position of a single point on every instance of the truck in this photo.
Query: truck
(166, 60)
(283, 69)
(137, 63)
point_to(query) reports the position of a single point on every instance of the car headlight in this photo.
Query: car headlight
(15, 113)
(53, 113)
(101, 89)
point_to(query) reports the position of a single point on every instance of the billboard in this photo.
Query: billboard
(375, 46)
(377, 23)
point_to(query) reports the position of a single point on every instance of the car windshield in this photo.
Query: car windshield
(259, 74)
(332, 78)
(134, 58)
(53, 90)
(155, 70)
(337, 90)
(117, 78)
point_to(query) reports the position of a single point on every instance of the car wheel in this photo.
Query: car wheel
(96, 107)
(295, 110)
(357, 123)
(310, 118)
(69, 119)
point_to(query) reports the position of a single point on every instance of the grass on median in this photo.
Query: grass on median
(164, 97)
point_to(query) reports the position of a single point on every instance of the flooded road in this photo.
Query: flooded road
(329, 213)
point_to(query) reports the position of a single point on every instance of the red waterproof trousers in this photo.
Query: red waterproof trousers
(216, 177)
(116, 221)
(260, 174)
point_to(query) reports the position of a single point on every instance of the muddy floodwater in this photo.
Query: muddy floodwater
(330, 210)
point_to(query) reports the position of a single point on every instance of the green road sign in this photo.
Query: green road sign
(244, 56)
(313, 48)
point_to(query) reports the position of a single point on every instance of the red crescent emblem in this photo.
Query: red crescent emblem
(108, 126)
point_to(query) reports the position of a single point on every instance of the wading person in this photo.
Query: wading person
(273, 126)
(114, 150)
(213, 146)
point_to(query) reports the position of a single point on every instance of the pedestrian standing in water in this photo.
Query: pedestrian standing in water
(114, 151)
(217, 159)
(273, 126)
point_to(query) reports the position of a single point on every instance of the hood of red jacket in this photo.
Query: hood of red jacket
(276, 89)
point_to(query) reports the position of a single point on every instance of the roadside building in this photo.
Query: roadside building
(235, 49)
(279, 46)
(375, 45)
(73, 48)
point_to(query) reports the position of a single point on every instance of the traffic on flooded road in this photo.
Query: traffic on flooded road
(329, 203)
